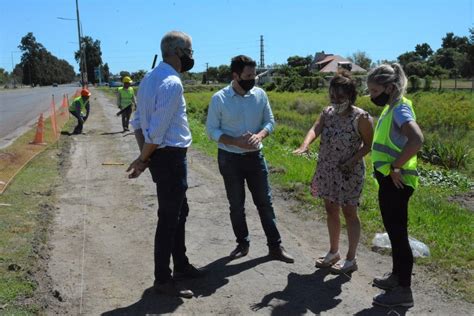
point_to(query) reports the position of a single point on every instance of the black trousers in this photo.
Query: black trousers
(168, 168)
(393, 204)
(126, 117)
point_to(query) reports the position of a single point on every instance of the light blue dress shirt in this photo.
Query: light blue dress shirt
(232, 114)
(161, 108)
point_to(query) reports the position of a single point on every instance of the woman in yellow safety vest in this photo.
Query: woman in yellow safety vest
(397, 140)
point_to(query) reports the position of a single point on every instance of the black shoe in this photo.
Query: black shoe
(240, 251)
(399, 296)
(279, 253)
(189, 272)
(171, 289)
(388, 282)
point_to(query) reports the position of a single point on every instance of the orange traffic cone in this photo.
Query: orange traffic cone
(54, 123)
(64, 110)
(39, 137)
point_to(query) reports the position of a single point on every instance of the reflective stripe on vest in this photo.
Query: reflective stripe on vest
(126, 96)
(384, 151)
(82, 104)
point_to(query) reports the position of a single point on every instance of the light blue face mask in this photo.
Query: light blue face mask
(340, 107)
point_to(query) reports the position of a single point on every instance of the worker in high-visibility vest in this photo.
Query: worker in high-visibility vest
(397, 139)
(126, 101)
(80, 109)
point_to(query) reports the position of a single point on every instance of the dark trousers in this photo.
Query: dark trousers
(126, 117)
(169, 171)
(80, 122)
(394, 208)
(250, 167)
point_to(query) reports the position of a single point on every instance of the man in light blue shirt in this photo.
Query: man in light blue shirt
(239, 118)
(162, 132)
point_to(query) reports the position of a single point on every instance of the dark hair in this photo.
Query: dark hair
(238, 63)
(342, 81)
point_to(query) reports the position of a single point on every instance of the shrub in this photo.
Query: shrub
(428, 82)
(415, 83)
(448, 155)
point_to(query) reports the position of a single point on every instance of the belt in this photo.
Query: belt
(244, 154)
(170, 148)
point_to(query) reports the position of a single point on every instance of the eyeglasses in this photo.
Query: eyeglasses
(188, 51)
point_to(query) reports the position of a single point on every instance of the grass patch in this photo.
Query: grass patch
(23, 230)
(447, 228)
(25, 215)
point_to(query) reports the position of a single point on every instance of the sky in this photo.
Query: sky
(130, 31)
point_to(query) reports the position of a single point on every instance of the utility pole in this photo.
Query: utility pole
(13, 76)
(262, 58)
(82, 62)
(207, 73)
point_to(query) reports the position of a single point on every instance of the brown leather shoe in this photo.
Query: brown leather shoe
(170, 288)
(279, 253)
(240, 251)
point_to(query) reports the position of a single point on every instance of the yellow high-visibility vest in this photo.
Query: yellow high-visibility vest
(384, 151)
(126, 97)
(82, 104)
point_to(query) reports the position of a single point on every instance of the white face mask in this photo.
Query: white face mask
(341, 107)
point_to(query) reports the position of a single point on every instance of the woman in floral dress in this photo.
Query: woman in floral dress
(346, 137)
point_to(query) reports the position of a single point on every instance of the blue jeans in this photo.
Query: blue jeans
(250, 167)
(168, 168)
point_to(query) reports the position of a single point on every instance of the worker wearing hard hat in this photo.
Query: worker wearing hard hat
(126, 101)
(80, 109)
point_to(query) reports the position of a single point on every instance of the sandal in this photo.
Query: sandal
(344, 266)
(328, 260)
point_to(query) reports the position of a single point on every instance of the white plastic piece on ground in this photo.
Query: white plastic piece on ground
(419, 249)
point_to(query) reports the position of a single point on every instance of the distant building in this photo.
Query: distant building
(328, 63)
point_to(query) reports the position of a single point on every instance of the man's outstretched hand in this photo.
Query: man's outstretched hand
(136, 168)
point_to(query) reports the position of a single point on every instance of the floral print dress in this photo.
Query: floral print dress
(340, 140)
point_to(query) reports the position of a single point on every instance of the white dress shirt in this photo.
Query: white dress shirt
(161, 108)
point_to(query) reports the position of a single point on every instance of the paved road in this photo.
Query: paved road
(20, 108)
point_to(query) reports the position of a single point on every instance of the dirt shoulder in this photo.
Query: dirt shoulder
(101, 258)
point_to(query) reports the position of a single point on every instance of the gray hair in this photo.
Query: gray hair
(172, 40)
(390, 74)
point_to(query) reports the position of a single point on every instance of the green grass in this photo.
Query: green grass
(22, 229)
(447, 228)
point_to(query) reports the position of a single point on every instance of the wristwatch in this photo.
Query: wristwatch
(397, 170)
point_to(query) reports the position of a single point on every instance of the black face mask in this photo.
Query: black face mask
(381, 99)
(187, 63)
(246, 85)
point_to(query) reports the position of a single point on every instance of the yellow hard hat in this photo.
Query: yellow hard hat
(127, 79)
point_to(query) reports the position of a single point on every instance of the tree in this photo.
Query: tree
(39, 66)
(224, 74)
(3, 76)
(458, 43)
(106, 72)
(93, 56)
(298, 61)
(423, 50)
(416, 68)
(138, 76)
(361, 58)
(408, 57)
(212, 73)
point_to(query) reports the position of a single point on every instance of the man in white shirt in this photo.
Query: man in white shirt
(162, 132)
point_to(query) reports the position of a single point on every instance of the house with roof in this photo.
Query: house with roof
(330, 63)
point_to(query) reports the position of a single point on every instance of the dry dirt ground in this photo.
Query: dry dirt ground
(100, 260)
